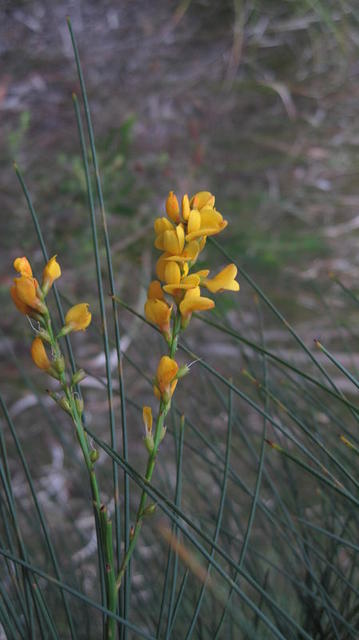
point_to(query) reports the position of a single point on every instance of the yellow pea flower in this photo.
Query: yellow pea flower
(165, 383)
(189, 254)
(77, 318)
(22, 266)
(51, 272)
(187, 282)
(211, 223)
(159, 313)
(24, 293)
(224, 280)
(193, 301)
(171, 241)
(202, 199)
(172, 207)
(39, 355)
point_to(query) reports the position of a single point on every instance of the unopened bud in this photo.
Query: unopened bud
(149, 510)
(172, 207)
(182, 371)
(149, 443)
(78, 377)
(94, 455)
(59, 364)
(163, 433)
(79, 403)
(65, 405)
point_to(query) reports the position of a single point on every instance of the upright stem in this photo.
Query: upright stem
(104, 524)
(151, 462)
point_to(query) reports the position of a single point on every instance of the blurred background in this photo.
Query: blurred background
(253, 100)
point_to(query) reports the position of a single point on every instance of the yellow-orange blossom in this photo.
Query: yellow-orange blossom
(181, 236)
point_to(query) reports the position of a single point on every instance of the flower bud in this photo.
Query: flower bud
(78, 377)
(149, 443)
(64, 404)
(172, 207)
(79, 403)
(149, 510)
(59, 364)
(94, 455)
(51, 272)
(182, 371)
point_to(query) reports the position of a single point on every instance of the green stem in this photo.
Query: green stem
(151, 462)
(104, 528)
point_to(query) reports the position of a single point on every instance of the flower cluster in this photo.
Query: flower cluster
(181, 236)
(30, 299)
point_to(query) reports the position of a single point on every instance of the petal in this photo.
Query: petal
(185, 207)
(26, 291)
(39, 355)
(180, 237)
(170, 242)
(224, 280)
(22, 266)
(193, 301)
(190, 253)
(20, 305)
(172, 273)
(158, 312)
(161, 225)
(194, 221)
(201, 199)
(78, 317)
(172, 207)
(155, 290)
(160, 266)
(147, 418)
(166, 371)
(51, 272)
(210, 218)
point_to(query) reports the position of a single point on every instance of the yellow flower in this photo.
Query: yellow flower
(189, 253)
(202, 199)
(78, 317)
(165, 383)
(172, 207)
(211, 223)
(171, 240)
(24, 293)
(22, 266)
(147, 419)
(224, 280)
(21, 306)
(187, 282)
(159, 313)
(193, 301)
(161, 225)
(51, 272)
(39, 355)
